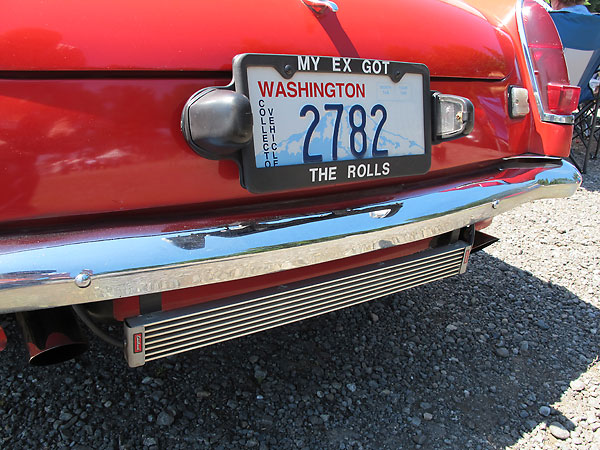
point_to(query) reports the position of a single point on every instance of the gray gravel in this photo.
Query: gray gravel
(505, 356)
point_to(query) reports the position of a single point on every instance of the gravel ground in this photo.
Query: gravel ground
(504, 357)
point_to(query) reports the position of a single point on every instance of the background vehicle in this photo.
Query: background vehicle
(133, 187)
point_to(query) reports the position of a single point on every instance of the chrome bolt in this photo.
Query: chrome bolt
(84, 279)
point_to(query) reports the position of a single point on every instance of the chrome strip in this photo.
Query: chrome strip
(546, 117)
(36, 274)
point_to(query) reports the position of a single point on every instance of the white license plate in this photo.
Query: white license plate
(325, 120)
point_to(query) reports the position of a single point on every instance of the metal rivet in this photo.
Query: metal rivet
(84, 279)
(495, 204)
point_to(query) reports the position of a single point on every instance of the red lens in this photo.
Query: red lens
(562, 99)
(550, 69)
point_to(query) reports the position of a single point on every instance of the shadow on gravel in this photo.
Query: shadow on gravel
(462, 363)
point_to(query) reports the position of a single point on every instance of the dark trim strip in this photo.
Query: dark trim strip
(159, 74)
(150, 303)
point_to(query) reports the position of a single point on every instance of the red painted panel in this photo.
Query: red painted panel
(452, 38)
(126, 307)
(72, 147)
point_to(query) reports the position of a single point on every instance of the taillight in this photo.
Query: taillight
(548, 69)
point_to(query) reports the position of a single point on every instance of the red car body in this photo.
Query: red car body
(93, 155)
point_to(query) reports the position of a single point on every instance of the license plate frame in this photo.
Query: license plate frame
(301, 176)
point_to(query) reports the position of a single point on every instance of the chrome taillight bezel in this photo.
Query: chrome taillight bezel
(544, 115)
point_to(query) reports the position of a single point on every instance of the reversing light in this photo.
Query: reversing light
(518, 99)
(453, 117)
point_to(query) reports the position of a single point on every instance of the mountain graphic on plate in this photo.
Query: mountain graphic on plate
(290, 149)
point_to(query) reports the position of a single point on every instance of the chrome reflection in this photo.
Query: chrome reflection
(195, 240)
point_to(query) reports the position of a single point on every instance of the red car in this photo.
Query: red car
(207, 170)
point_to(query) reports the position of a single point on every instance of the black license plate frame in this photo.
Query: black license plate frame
(301, 176)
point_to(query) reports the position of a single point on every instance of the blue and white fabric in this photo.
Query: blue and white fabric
(580, 36)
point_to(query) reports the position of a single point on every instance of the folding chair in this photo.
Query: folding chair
(580, 36)
(596, 130)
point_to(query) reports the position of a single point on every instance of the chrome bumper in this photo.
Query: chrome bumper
(42, 272)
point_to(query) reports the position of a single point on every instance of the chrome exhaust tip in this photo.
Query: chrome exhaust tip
(52, 335)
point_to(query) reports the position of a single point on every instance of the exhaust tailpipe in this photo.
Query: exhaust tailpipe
(482, 240)
(51, 335)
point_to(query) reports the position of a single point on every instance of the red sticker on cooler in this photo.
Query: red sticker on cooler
(467, 254)
(3, 340)
(137, 343)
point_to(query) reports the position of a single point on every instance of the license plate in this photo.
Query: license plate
(321, 120)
